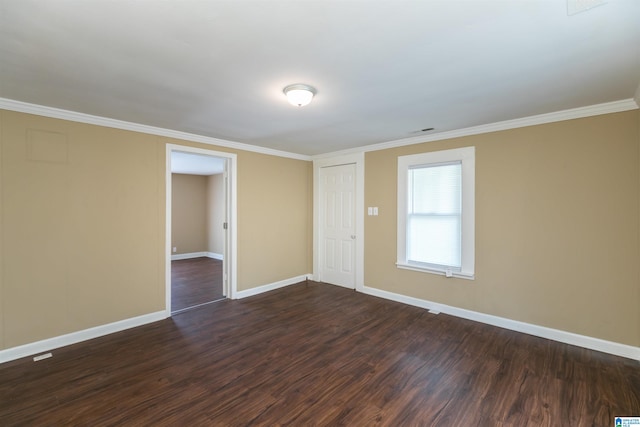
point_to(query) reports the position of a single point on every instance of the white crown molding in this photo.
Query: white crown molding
(574, 113)
(76, 337)
(558, 116)
(591, 343)
(57, 113)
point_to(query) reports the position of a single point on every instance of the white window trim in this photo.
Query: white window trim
(465, 155)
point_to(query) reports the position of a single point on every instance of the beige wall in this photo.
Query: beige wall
(275, 211)
(274, 218)
(215, 214)
(197, 213)
(557, 227)
(82, 230)
(83, 224)
(189, 213)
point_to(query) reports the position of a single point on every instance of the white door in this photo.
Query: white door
(337, 225)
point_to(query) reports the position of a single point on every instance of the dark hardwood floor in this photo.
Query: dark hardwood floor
(316, 354)
(195, 281)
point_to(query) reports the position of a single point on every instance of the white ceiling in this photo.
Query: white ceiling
(383, 69)
(196, 164)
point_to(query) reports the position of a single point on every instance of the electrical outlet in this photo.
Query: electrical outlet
(175, 249)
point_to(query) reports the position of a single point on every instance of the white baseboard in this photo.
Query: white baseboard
(604, 346)
(189, 255)
(215, 256)
(597, 344)
(76, 337)
(271, 286)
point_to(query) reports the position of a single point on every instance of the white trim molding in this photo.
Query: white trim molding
(271, 286)
(465, 157)
(214, 255)
(558, 116)
(74, 116)
(231, 241)
(50, 344)
(190, 255)
(574, 113)
(591, 343)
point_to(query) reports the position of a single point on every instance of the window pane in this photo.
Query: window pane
(434, 240)
(436, 189)
(434, 216)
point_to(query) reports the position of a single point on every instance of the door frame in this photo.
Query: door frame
(318, 204)
(230, 253)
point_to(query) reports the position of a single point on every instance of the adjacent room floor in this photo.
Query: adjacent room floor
(317, 354)
(194, 282)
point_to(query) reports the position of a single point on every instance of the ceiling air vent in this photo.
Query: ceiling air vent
(577, 6)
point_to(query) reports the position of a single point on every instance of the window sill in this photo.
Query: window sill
(456, 274)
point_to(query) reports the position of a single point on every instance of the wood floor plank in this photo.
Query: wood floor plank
(195, 281)
(316, 354)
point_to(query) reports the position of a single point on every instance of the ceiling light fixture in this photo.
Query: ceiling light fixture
(299, 94)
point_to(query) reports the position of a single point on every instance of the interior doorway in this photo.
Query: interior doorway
(337, 225)
(338, 252)
(200, 227)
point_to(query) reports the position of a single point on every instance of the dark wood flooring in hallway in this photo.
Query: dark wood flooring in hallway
(195, 281)
(313, 354)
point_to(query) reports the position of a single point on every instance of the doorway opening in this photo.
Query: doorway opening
(200, 227)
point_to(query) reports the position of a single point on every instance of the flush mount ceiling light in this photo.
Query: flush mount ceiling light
(299, 94)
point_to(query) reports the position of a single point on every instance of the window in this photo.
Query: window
(436, 197)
